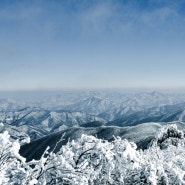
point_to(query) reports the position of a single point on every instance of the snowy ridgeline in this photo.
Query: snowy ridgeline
(107, 104)
(89, 160)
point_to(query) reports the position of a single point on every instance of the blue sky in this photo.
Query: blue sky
(53, 44)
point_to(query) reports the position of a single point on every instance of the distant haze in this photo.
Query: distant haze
(91, 44)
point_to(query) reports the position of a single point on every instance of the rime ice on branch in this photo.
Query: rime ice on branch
(89, 160)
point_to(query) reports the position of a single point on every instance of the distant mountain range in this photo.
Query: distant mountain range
(109, 105)
(91, 111)
(115, 106)
(166, 113)
(37, 122)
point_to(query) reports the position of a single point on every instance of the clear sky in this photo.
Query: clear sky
(91, 44)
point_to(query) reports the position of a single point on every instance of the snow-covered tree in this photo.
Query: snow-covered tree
(89, 161)
(11, 163)
(79, 162)
(163, 162)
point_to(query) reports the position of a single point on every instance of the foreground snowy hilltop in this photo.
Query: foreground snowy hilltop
(89, 160)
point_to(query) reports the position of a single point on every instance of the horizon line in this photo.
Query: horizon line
(93, 88)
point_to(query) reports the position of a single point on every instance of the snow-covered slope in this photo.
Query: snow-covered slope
(108, 104)
(15, 133)
(166, 113)
(89, 109)
(38, 122)
(141, 134)
(114, 106)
